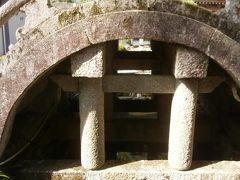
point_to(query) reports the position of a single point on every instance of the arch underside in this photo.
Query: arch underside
(157, 26)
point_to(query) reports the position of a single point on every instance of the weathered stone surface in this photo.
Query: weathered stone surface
(59, 42)
(232, 8)
(60, 17)
(64, 32)
(227, 53)
(64, 17)
(144, 84)
(89, 62)
(91, 104)
(139, 84)
(182, 123)
(190, 64)
(151, 170)
(33, 17)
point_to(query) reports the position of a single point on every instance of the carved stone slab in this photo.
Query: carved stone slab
(190, 63)
(89, 62)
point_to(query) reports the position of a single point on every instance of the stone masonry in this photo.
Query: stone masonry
(81, 31)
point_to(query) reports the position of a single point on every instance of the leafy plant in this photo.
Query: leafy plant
(122, 44)
(3, 176)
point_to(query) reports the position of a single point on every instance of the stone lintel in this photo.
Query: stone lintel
(89, 62)
(148, 84)
(66, 82)
(190, 63)
(153, 84)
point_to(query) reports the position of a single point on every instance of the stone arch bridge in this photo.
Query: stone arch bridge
(82, 34)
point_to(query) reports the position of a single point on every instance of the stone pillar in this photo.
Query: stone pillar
(182, 124)
(189, 65)
(88, 66)
(91, 103)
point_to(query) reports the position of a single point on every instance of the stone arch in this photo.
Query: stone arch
(158, 26)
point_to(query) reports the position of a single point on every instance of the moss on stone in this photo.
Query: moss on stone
(128, 23)
(69, 17)
(190, 2)
(142, 4)
(95, 9)
(2, 58)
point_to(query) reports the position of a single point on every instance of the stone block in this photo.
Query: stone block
(89, 62)
(190, 63)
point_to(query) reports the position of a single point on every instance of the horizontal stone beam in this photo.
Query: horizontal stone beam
(137, 83)
(66, 82)
(153, 84)
(208, 84)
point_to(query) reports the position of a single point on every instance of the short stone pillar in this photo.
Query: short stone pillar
(91, 104)
(189, 65)
(88, 65)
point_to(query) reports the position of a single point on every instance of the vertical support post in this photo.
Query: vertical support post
(182, 124)
(91, 105)
(189, 66)
(89, 66)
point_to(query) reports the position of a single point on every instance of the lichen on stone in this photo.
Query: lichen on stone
(95, 9)
(2, 58)
(69, 17)
(189, 2)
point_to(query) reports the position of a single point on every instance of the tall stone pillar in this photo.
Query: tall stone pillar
(189, 66)
(182, 124)
(91, 104)
(88, 66)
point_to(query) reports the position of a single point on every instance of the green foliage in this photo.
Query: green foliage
(3, 176)
(122, 44)
(2, 58)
